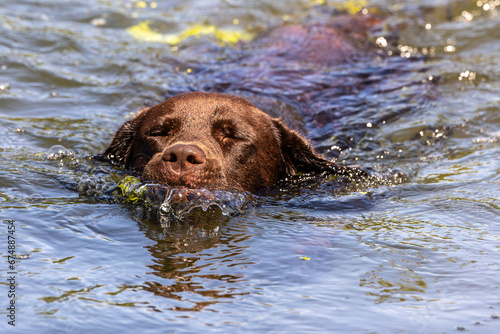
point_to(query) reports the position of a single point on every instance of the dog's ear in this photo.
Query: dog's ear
(299, 156)
(120, 151)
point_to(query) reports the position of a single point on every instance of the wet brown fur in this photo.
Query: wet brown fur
(243, 148)
(224, 141)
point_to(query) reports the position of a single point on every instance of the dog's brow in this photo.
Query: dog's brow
(220, 110)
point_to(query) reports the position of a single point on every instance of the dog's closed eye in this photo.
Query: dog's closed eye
(227, 133)
(168, 127)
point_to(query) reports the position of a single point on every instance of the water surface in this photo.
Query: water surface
(418, 257)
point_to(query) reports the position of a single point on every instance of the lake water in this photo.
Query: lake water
(418, 257)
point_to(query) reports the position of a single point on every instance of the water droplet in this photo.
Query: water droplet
(449, 48)
(57, 152)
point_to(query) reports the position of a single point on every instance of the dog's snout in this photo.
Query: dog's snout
(183, 158)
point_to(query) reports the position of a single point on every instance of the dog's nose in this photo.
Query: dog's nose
(183, 158)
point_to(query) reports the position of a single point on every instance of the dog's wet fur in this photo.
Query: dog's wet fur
(214, 141)
(220, 141)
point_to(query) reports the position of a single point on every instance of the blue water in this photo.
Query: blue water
(417, 257)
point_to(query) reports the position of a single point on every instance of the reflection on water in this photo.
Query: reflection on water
(189, 258)
(417, 256)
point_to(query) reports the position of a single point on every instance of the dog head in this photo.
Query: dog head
(212, 140)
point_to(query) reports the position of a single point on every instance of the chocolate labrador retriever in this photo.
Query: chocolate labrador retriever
(216, 141)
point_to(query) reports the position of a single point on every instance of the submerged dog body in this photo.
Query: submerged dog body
(213, 140)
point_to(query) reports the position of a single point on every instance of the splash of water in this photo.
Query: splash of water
(178, 202)
(101, 184)
(58, 152)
